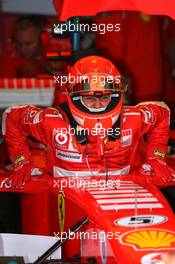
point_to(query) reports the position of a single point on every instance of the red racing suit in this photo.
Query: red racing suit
(67, 157)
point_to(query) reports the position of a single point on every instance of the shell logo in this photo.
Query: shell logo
(146, 239)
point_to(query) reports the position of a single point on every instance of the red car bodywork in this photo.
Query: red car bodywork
(136, 218)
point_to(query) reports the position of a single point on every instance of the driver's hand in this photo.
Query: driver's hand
(20, 173)
(157, 171)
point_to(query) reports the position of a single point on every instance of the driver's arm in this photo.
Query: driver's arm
(18, 124)
(155, 126)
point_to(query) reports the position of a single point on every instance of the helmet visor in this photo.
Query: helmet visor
(96, 83)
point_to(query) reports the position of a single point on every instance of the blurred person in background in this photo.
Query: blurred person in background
(142, 49)
(167, 27)
(135, 49)
(25, 56)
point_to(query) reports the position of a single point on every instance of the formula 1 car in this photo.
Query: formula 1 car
(97, 221)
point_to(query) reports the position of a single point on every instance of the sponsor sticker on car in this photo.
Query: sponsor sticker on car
(146, 239)
(141, 220)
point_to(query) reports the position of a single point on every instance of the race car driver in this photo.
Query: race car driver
(93, 133)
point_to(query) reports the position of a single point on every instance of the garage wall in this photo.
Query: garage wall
(28, 6)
